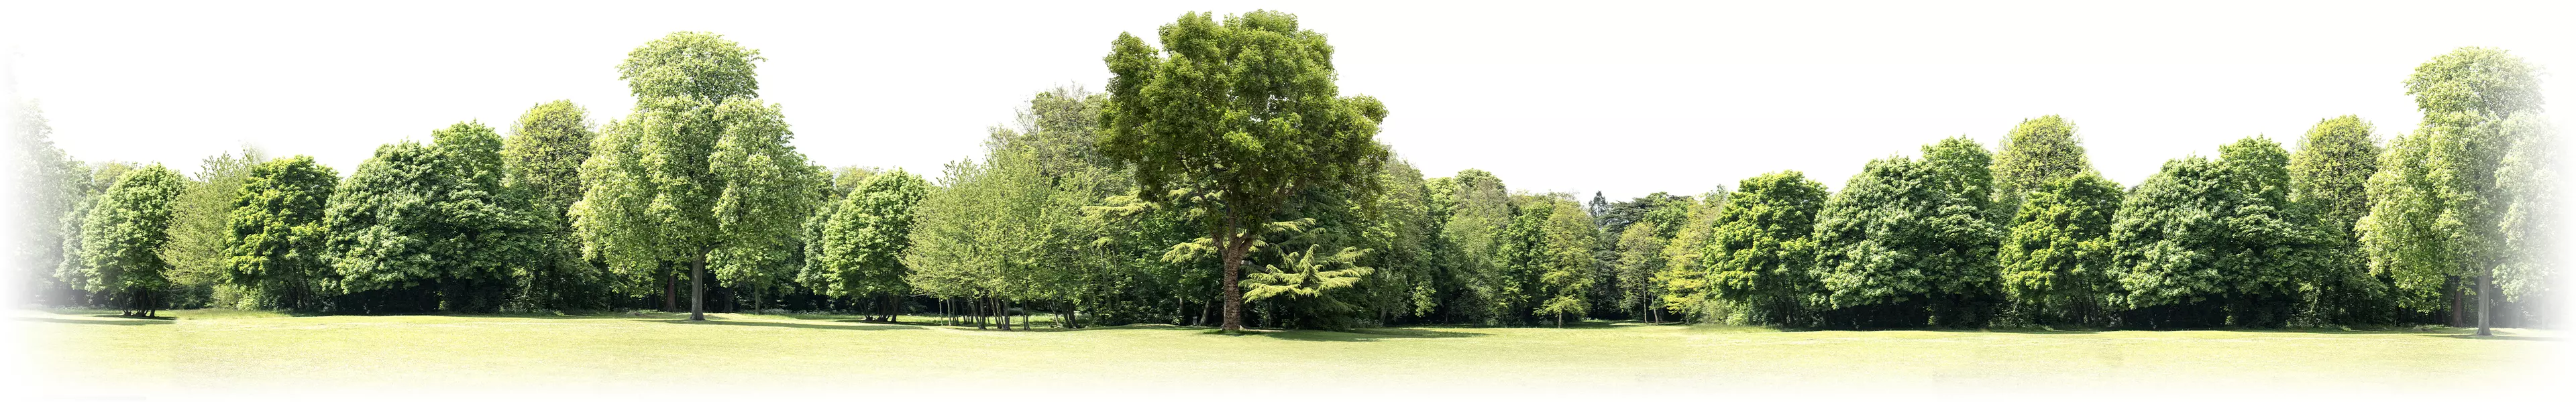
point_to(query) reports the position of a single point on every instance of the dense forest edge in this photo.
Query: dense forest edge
(1223, 179)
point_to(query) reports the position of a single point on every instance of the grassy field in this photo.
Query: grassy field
(80, 352)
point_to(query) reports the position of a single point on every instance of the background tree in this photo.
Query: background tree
(864, 239)
(1568, 274)
(700, 173)
(122, 239)
(1683, 282)
(1247, 108)
(275, 251)
(2052, 261)
(2532, 215)
(2210, 243)
(1761, 249)
(543, 157)
(2328, 185)
(2035, 153)
(51, 188)
(1478, 207)
(200, 229)
(73, 277)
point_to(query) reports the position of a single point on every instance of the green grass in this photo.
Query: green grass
(222, 349)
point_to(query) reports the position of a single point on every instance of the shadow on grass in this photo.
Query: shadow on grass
(789, 325)
(119, 320)
(1367, 334)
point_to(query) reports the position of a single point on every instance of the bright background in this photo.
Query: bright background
(1625, 98)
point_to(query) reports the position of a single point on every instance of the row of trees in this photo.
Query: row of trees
(1224, 180)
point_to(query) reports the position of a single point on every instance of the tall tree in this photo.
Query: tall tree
(864, 239)
(1761, 249)
(543, 157)
(126, 229)
(73, 278)
(1248, 109)
(1477, 207)
(1569, 274)
(2209, 243)
(426, 227)
(2035, 153)
(276, 247)
(701, 173)
(1683, 280)
(51, 186)
(2328, 185)
(2052, 260)
(2455, 228)
(200, 228)
(1908, 243)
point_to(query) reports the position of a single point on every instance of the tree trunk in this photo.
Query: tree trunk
(2486, 287)
(1233, 249)
(698, 288)
(2457, 307)
(670, 289)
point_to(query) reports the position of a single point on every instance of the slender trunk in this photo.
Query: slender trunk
(2457, 307)
(2485, 290)
(698, 288)
(670, 289)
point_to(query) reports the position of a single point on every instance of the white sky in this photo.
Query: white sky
(1622, 98)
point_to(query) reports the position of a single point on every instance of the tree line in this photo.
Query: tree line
(1223, 179)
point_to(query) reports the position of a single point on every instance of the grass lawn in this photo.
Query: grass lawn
(76, 353)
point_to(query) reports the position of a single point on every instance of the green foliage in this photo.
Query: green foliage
(125, 231)
(1247, 111)
(2207, 243)
(699, 173)
(199, 231)
(2037, 152)
(2329, 179)
(1683, 281)
(864, 237)
(52, 191)
(2053, 260)
(277, 235)
(2438, 206)
(1478, 207)
(543, 157)
(1760, 250)
(1908, 242)
(424, 227)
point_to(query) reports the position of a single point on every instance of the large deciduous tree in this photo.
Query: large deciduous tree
(426, 227)
(2052, 259)
(199, 231)
(1908, 243)
(2037, 152)
(50, 188)
(864, 238)
(2439, 206)
(276, 248)
(700, 173)
(543, 155)
(1245, 110)
(122, 239)
(1761, 249)
(2329, 177)
(2208, 243)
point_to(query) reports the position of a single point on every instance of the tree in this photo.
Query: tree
(74, 276)
(1684, 280)
(1247, 109)
(2438, 210)
(199, 231)
(2532, 215)
(864, 238)
(428, 227)
(2329, 177)
(2035, 153)
(2053, 258)
(1477, 205)
(1640, 256)
(122, 240)
(1761, 249)
(700, 173)
(276, 247)
(1548, 249)
(52, 188)
(2208, 243)
(543, 157)
(1909, 243)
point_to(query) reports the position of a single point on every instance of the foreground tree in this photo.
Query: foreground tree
(1908, 243)
(429, 227)
(1761, 249)
(2436, 219)
(122, 240)
(2053, 259)
(1246, 111)
(700, 173)
(276, 248)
